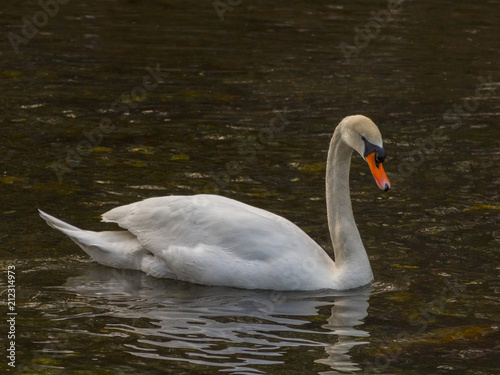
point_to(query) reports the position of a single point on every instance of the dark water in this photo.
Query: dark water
(105, 103)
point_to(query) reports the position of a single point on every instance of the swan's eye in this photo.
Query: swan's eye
(370, 148)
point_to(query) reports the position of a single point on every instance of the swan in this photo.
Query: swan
(213, 240)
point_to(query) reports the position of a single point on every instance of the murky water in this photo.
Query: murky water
(105, 103)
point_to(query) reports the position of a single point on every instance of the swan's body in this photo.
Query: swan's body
(212, 240)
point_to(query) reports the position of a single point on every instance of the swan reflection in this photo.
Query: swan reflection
(236, 330)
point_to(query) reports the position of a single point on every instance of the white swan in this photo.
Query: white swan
(212, 240)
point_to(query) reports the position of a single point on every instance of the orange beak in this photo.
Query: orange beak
(378, 172)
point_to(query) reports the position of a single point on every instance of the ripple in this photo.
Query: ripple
(237, 331)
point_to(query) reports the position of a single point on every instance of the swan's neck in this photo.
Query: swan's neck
(351, 260)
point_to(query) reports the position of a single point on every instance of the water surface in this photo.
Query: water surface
(112, 102)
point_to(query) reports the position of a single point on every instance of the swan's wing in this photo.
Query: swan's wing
(214, 240)
(210, 220)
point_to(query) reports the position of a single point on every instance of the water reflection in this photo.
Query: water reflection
(238, 331)
(347, 313)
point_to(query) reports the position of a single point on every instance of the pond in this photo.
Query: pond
(110, 102)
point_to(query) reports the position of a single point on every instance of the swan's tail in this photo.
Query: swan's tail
(115, 249)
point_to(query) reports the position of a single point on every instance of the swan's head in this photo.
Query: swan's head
(363, 135)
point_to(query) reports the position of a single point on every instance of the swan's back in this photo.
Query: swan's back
(215, 240)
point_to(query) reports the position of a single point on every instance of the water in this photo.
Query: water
(111, 102)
